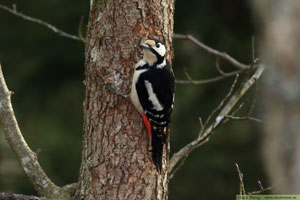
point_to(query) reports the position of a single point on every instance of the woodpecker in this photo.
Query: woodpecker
(152, 94)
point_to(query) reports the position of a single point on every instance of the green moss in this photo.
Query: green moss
(102, 36)
(101, 2)
(98, 3)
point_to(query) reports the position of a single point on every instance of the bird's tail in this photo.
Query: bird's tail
(158, 140)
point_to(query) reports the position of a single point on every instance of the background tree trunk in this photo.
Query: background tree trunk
(281, 95)
(116, 162)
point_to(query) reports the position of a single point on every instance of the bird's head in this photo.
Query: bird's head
(154, 51)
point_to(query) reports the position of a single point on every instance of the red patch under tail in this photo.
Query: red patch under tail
(147, 124)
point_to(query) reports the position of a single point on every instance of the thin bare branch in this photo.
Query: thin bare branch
(260, 185)
(187, 75)
(210, 50)
(219, 68)
(201, 123)
(248, 116)
(235, 111)
(177, 168)
(216, 53)
(80, 29)
(28, 159)
(241, 176)
(186, 150)
(253, 49)
(253, 101)
(239, 107)
(10, 196)
(262, 189)
(211, 80)
(41, 22)
(245, 118)
(221, 103)
(203, 126)
(242, 185)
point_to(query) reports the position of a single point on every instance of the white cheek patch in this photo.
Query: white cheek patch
(161, 50)
(152, 97)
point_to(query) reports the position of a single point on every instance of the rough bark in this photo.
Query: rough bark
(116, 162)
(281, 50)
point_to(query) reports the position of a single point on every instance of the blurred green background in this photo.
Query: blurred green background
(46, 71)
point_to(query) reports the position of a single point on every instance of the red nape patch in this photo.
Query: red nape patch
(147, 124)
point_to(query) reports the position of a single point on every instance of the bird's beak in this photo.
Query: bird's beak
(144, 46)
(147, 44)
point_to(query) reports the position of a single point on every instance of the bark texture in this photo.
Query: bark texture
(281, 95)
(116, 162)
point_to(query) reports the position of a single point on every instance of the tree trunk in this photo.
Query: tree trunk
(116, 162)
(281, 95)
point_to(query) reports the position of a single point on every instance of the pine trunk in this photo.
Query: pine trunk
(116, 162)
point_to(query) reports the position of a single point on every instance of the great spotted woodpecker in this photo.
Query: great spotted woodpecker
(152, 93)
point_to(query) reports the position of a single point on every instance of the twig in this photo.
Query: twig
(255, 59)
(215, 79)
(10, 196)
(234, 112)
(239, 107)
(177, 168)
(221, 103)
(253, 101)
(245, 118)
(80, 29)
(201, 123)
(248, 117)
(41, 22)
(28, 159)
(203, 126)
(219, 69)
(262, 189)
(242, 185)
(211, 80)
(241, 176)
(210, 50)
(260, 185)
(186, 150)
(253, 50)
(188, 76)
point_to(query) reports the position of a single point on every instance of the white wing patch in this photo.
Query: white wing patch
(152, 97)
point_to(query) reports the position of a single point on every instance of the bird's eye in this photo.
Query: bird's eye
(158, 45)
